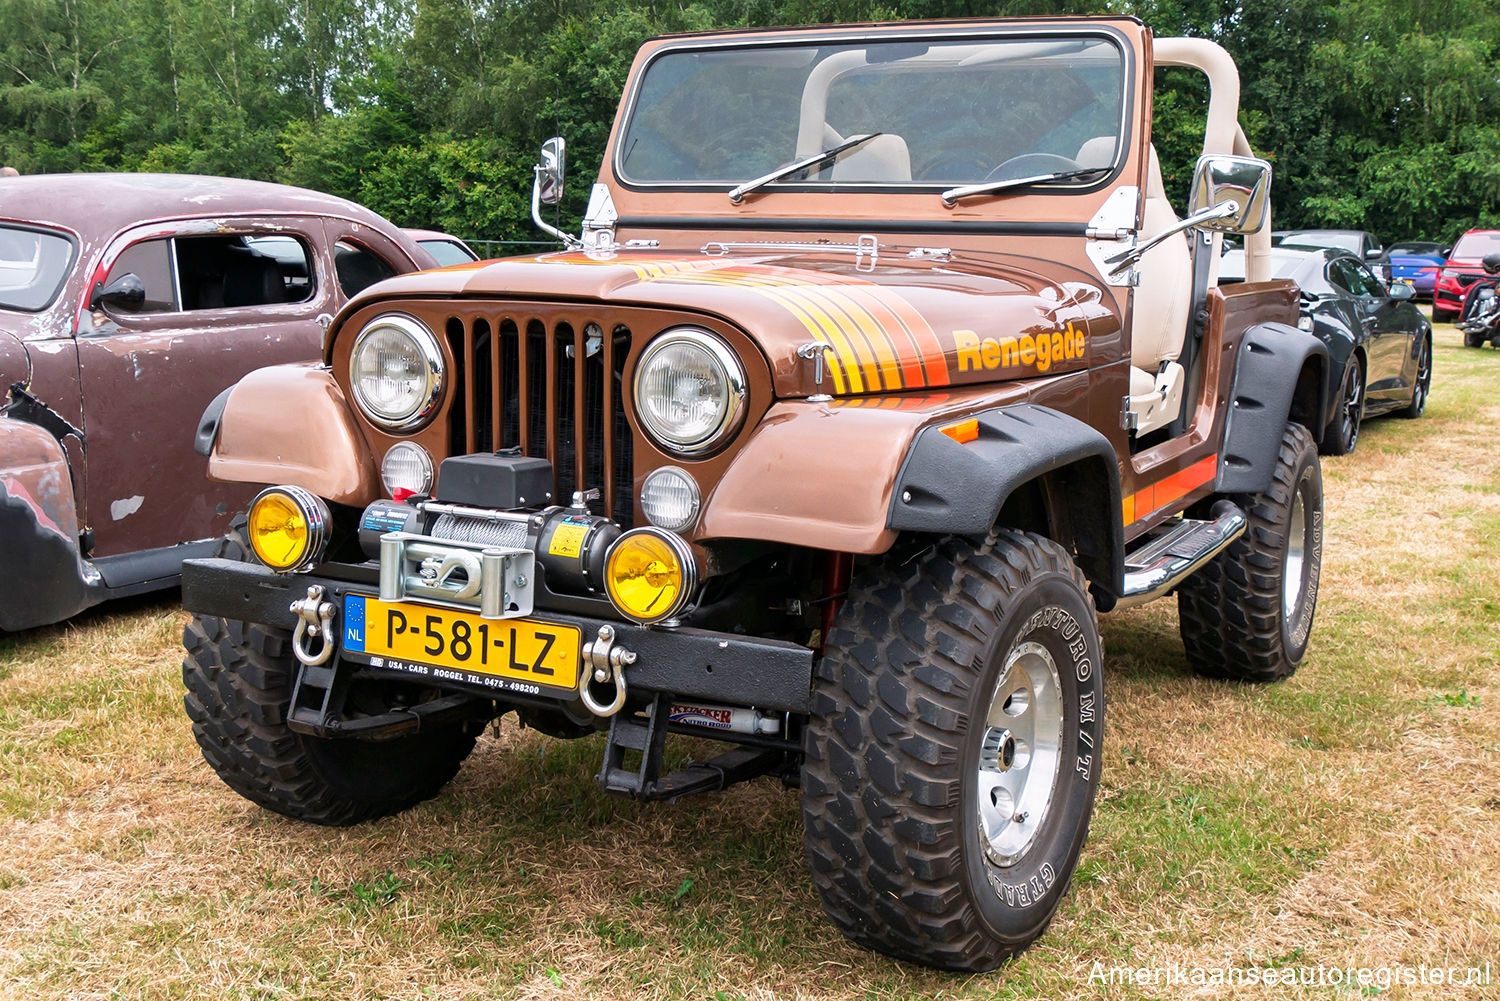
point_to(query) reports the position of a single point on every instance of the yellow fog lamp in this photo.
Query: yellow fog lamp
(288, 528)
(650, 575)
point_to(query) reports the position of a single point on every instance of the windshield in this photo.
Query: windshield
(1476, 245)
(947, 112)
(33, 265)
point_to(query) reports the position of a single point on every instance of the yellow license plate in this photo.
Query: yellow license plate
(517, 655)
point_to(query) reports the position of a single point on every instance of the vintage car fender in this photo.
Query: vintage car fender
(43, 577)
(290, 424)
(1279, 377)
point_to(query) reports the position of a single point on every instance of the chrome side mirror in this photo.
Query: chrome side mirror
(551, 172)
(1220, 181)
(547, 187)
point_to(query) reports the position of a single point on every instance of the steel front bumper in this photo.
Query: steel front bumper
(691, 663)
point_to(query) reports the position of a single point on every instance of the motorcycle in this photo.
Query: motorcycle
(1479, 318)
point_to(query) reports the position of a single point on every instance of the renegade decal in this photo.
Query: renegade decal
(1039, 350)
(1173, 488)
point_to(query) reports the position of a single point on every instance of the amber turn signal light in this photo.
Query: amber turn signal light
(288, 528)
(963, 432)
(650, 575)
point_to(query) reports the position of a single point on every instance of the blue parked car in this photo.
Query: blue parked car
(1416, 263)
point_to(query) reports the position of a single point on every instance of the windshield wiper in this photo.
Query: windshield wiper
(952, 195)
(737, 195)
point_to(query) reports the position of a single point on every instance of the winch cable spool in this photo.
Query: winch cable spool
(510, 534)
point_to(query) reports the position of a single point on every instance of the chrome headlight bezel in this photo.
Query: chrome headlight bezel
(430, 351)
(732, 412)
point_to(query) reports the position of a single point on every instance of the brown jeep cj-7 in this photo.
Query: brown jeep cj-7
(881, 364)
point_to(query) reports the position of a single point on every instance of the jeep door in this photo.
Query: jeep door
(223, 296)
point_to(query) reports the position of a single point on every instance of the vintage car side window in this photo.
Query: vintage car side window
(33, 265)
(227, 272)
(358, 268)
(151, 262)
(293, 260)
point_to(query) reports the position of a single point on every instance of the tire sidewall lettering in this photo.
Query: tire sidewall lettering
(1049, 611)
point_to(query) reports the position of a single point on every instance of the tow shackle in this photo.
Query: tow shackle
(603, 662)
(312, 641)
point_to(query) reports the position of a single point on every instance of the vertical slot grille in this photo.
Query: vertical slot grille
(552, 388)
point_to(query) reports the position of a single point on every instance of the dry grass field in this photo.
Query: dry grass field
(1349, 817)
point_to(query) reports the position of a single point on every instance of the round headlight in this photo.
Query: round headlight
(689, 391)
(650, 575)
(396, 370)
(407, 466)
(288, 528)
(669, 499)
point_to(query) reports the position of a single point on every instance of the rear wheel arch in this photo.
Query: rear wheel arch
(1279, 376)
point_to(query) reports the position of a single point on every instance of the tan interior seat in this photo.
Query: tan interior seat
(1097, 152)
(883, 159)
(1159, 318)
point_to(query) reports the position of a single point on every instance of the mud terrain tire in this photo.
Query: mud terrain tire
(239, 685)
(932, 707)
(1247, 615)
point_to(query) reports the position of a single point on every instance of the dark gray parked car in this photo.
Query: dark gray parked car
(1379, 344)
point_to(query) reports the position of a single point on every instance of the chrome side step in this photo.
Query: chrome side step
(1165, 560)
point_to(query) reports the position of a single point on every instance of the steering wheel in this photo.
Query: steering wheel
(1031, 165)
(954, 165)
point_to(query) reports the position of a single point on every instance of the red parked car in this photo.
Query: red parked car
(127, 302)
(1462, 269)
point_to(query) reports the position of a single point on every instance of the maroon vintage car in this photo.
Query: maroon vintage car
(127, 303)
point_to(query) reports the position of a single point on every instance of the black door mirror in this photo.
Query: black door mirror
(125, 292)
(1400, 292)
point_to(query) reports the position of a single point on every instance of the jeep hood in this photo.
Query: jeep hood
(900, 324)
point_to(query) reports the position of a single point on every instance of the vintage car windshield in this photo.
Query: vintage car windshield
(947, 112)
(33, 266)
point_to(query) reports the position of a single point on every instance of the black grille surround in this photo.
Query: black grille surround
(551, 385)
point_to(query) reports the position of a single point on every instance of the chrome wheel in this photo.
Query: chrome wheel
(1296, 558)
(1019, 753)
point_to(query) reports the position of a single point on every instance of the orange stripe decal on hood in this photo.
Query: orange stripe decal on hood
(880, 341)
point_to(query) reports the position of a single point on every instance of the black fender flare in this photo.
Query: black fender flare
(947, 488)
(1280, 375)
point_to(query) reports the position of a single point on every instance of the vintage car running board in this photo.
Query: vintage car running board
(1168, 559)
